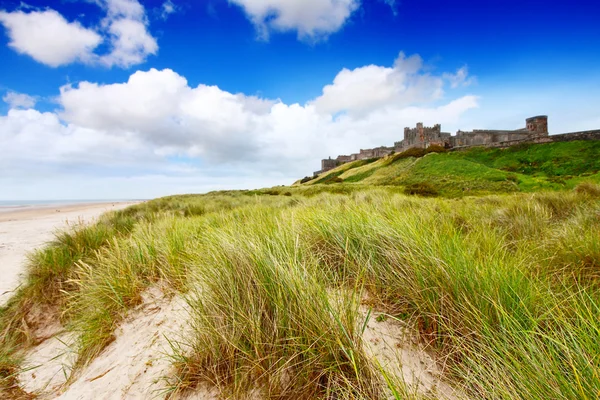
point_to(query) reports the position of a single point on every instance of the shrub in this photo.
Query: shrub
(512, 177)
(434, 148)
(413, 152)
(421, 189)
(307, 179)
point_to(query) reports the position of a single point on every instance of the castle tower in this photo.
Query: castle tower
(420, 132)
(328, 164)
(538, 125)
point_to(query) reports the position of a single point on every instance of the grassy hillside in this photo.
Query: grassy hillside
(524, 168)
(504, 289)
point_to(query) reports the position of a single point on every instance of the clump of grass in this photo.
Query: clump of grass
(9, 369)
(113, 283)
(264, 320)
(588, 188)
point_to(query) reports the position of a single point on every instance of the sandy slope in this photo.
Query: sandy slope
(395, 347)
(24, 230)
(135, 364)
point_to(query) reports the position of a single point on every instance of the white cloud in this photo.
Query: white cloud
(460, 78)
(367, 88)
(155, 123)
(49, 38)
(168, 8)
(312, 19)
(127, 27)
(116, 9)
(164, 112)
(19, 100)
(131, 43)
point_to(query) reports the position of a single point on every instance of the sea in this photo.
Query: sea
(14, 205)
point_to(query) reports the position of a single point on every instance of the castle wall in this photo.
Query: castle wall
(483, 137)
(536, 131)
(563, 137)
(382, 151)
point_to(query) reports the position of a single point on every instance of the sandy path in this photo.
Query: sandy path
(24, 230)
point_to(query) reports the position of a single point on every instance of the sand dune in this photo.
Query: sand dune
(136, 364)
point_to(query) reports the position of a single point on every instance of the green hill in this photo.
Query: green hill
(523, 168)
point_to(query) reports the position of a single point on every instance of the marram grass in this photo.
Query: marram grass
(504, 289)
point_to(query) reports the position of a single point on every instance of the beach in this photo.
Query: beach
(24, 229)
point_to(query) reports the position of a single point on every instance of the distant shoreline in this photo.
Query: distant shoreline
(29, 205)
(17, 213)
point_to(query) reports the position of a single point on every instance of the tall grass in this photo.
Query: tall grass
(504, 289)
(264, 319)
(506, 292)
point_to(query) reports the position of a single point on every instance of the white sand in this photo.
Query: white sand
(395, 347)
(24, 230)
(132, 367)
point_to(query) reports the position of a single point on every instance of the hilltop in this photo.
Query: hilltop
(475, 171)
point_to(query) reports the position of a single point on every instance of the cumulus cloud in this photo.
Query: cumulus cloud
(127, 27)
(19, 100)
(367, 88)
(41, 140)
(311, 19)
(49, 38)
(157, 123)
(164, 112)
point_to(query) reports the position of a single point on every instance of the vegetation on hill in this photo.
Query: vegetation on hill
(504, 289)
(522, 168)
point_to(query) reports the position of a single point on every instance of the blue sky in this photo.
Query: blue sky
(139, 99)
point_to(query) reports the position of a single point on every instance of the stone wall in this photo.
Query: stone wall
(480, 137)
(563, 137)
(536, 131)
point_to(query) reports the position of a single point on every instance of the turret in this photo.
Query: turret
(537, 125)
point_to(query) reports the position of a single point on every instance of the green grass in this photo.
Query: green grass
(504, 289)
(479, 171)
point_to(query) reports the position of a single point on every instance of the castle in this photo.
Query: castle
(536, 128)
